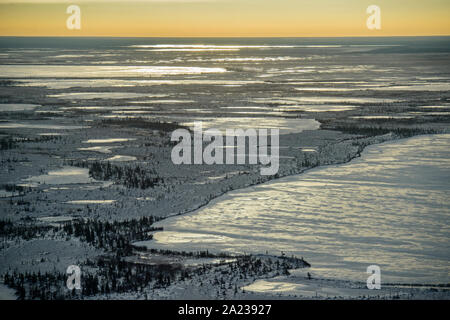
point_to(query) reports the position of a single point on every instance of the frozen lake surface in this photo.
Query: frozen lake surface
(390, 207)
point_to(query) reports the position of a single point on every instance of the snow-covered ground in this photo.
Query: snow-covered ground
(7, 293)
(44, 255)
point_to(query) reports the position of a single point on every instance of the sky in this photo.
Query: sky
(224, 18)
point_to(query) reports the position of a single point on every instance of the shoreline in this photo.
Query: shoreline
(392, 286)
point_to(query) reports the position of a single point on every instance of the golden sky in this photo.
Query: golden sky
(224, 18)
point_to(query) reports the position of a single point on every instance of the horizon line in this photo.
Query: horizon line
(213, 37)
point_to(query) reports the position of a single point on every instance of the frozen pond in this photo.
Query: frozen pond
(16, 125)
(101, 149)
(65, 175)
(390, 207)
(284, 125)
(91, 201)
(122, 158)
(8, 107)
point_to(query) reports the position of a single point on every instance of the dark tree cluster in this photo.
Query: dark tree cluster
(7, 143)
(309, 161)
(11, 143)
(9, 230)
(112, 274)
(15, 189)
(379, 130)
(129, 176)
(118, 275)
(143, 124)
(193, 254)
(48, 138)
(256, 266)
(112, 236)
(37, 286)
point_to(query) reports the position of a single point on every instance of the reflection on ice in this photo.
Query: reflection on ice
(418, 87)
(317, 108)
(90, 71)
(98, 83)
(186, 237)
(110, 140)
(435, 107)
(390, 207)
(308, 149)
(207, 46)
(318, 89)
(99, 95)
(91, 201)
(164, 101)
(382, 117)
(315, 288)
(322, 99)
(191, 49)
